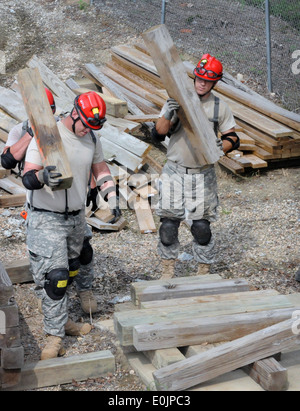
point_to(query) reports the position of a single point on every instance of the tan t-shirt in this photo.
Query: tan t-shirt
(82, 152)
(179, 147)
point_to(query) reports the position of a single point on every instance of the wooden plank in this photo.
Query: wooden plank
(128, 74)
(265, 107)
(14, 200)
(208, 329)
(44, 125)
(3, 136)
(12, 104)
(260, 121)
(62, 370)
(255, 161)
(64, 97)
(268, 373)
(19, 271)
(162, 292)
(121, 155)
(12, 187)
(6, 121)
(125, 140)
(105, 81)
(144, 216)
(122, 124)
(237, 296)
(101, 225)
(177, 83)
(137, 69)
(162, 358)
(231, 164)
(142, 118)
(228, 357)
(125, 322)
(137, 288)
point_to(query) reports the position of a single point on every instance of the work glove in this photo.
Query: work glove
(48, 177)
(113, 204)
(92, 197)
(171, 109)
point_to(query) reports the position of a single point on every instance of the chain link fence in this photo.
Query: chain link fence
(232, 30)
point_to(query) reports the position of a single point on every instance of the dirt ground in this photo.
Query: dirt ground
(257, 232)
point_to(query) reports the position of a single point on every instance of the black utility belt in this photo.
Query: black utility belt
(43, 210)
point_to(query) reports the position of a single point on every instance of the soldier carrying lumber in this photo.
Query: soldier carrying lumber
(14, 154)
(180, 198)
(56, 226)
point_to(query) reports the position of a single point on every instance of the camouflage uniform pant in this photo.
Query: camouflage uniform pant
(188, 196)
(52, 241)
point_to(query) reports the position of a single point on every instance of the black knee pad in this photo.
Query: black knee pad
(86, 254)
(201, 231)
(74, 265)
(56, 283)
(8, 161)
(168, 231)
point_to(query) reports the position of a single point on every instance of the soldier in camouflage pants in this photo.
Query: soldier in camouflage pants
(190, 196)
(56, 227)
(54, 242)
(187, 189)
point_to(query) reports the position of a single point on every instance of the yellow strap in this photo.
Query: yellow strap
(73, 273)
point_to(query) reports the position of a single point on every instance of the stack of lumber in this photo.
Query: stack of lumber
(269, 134)
(182, 333)
(126, 155)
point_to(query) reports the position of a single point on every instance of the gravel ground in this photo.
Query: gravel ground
(257, 232)
(257, 237)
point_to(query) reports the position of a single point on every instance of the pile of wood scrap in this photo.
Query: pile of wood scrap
(127, 156)
(182, 333)
(269, 134)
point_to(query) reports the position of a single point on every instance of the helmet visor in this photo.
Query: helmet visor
(209, 73)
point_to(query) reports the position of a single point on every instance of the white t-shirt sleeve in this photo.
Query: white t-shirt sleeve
(32, 154)
(226, 121)
(98, 154)
(14, 135)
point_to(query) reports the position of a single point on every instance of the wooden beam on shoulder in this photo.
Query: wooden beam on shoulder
(178, 85)
(44, 124)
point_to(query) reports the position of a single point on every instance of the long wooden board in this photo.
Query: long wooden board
(125, 322)
(177, 83)
(227, 357)
(64, 370)
(205, 330)
(44, 125)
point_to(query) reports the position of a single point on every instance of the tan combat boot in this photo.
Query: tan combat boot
(167, 269)
(72, 328)
(53, 348)
(88, 301)
(203, 269)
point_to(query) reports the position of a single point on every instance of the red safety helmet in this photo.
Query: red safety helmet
(51, 100)
(209, 68)
(91, 110)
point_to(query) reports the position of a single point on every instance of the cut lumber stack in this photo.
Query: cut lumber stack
(270, 135)
(189, 330)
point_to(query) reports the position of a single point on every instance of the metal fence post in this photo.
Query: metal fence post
(268, 42)
(163, 11)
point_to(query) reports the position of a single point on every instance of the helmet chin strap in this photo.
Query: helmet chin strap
(74, 122)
